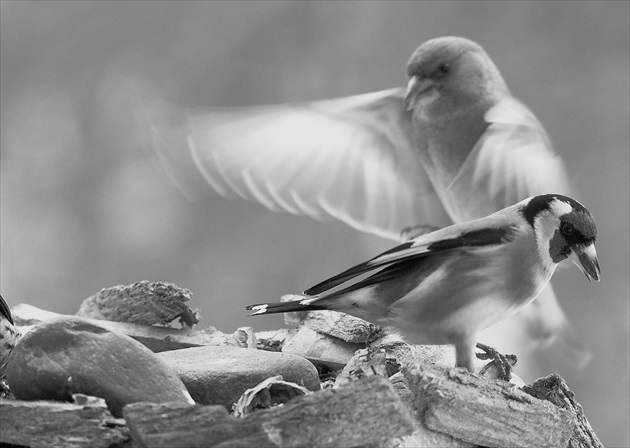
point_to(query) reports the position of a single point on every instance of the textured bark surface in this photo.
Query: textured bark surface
(553, 389)
(85, 423)
(339, 325)
(142, 302)
(487, 413)
(365, 413)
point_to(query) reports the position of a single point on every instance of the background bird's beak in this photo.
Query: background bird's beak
(415, 88)
(585, 258)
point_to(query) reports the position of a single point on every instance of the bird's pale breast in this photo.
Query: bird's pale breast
(468, 293)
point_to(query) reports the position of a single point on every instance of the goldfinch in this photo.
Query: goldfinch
(452, 146)
(446, 286)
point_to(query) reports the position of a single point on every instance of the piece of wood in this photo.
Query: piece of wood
(487, 413)
(157, 339)
(141, 302)
(363, 363)
(273, 340)
(365, 412)
(421, 436)
(555, 390)
(85, 423)
(339, 325)
(321, 349)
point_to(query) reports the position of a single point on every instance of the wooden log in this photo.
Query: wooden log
(365, 412)
(85, 423)
(487, 413)
(555, 390)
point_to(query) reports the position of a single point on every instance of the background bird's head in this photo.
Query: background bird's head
(564, 228)
(454, 69)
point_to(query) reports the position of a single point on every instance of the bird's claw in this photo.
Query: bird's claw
(5, 390)
(504, 363)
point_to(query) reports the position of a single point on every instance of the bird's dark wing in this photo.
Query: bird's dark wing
(5, 310)
(513, 160)
(457, 237)
(348, 158)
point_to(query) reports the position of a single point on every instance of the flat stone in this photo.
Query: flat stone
(71, 355)
(220, 375)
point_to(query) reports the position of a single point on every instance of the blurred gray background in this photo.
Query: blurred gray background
(83, 207)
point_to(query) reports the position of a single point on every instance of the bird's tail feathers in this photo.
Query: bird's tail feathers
(292, 302)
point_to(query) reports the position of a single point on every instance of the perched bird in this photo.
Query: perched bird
(9, 335)
(446, 286)
(451, 147)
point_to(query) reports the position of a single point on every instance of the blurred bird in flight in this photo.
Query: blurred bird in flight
(453, 146)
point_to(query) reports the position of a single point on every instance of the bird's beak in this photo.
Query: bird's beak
(585, 258)
(415, 88)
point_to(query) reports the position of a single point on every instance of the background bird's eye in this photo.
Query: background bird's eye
(443, 69)
(567, 229)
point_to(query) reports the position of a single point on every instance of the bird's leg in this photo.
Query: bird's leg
(503, 362)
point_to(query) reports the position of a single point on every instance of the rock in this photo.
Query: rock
(71, 355)
(321, 349)
(220, 375)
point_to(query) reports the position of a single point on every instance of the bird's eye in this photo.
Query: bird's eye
(567, 229)
(443, 69)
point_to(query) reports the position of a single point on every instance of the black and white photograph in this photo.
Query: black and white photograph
(315, 223)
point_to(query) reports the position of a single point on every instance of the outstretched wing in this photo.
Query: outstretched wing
(349, 158)
(513, 160)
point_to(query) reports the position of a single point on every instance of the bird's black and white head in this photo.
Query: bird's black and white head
(564, 228)
(454, 66)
